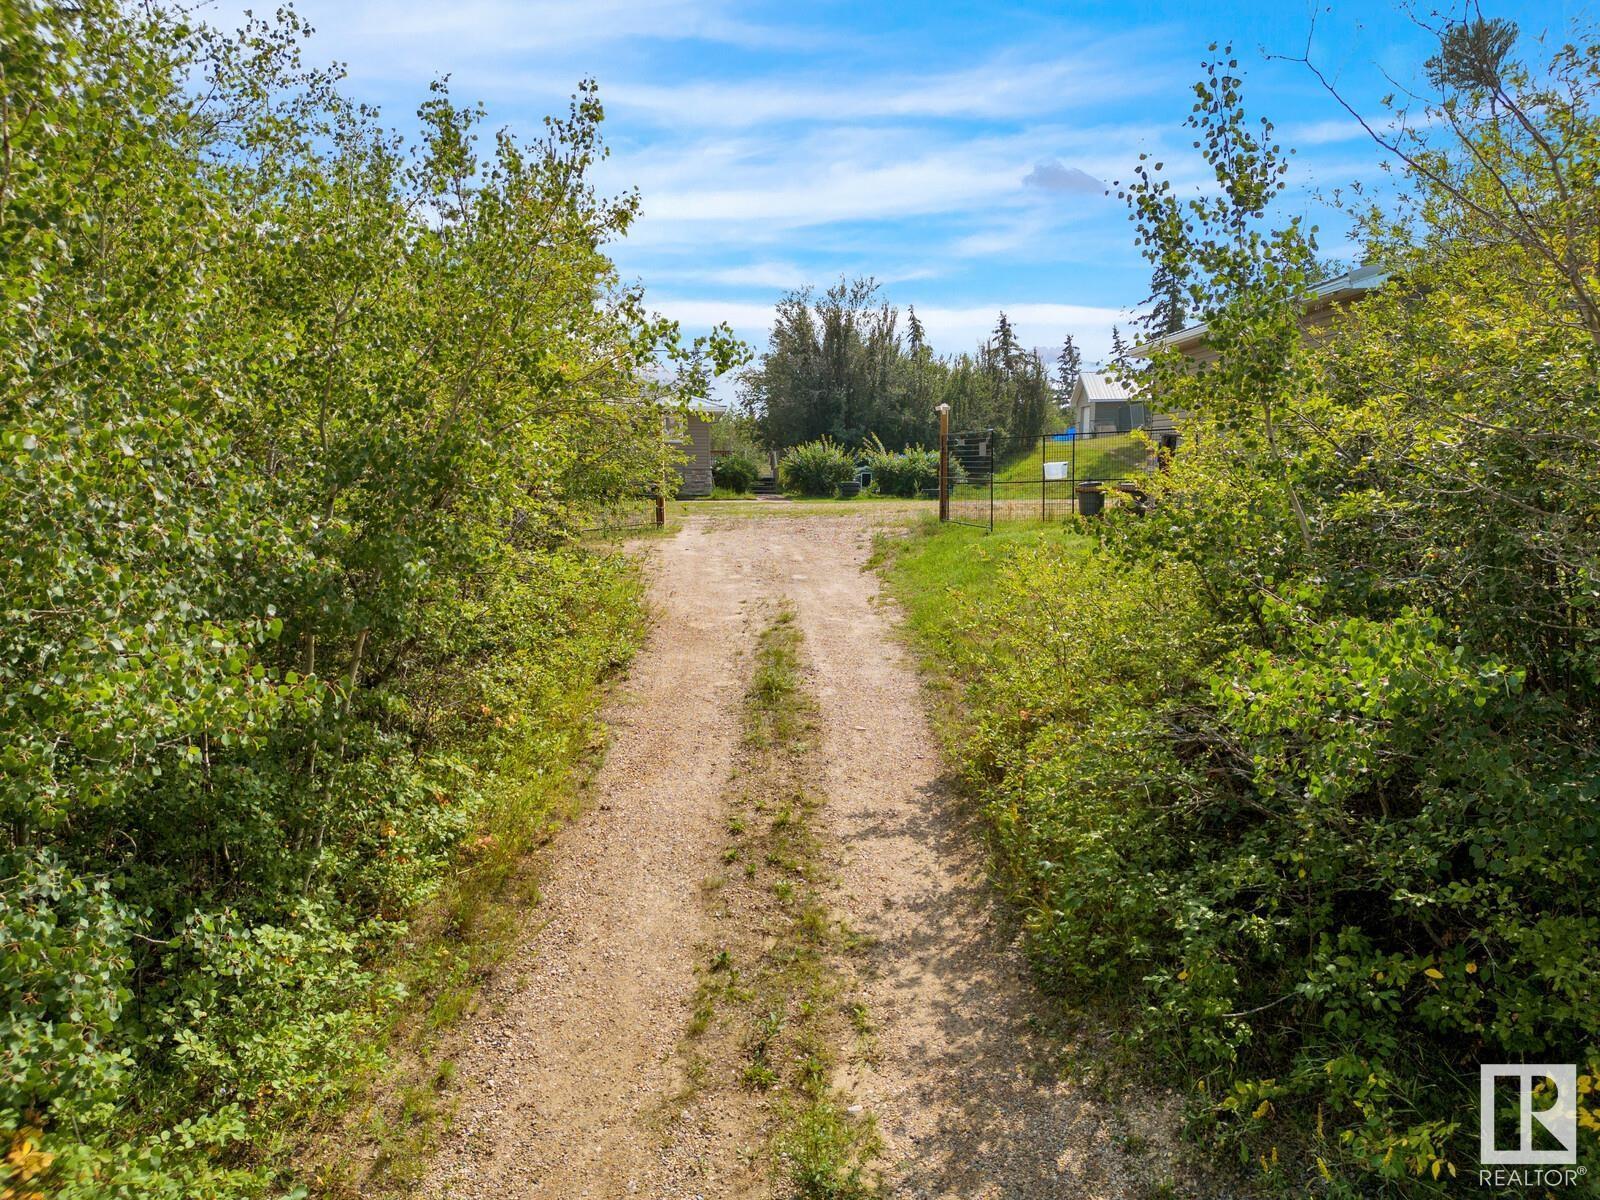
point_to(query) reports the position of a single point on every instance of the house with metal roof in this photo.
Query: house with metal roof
(1321, 304)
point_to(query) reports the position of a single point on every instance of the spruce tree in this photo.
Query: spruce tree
(1168, 312)
(1007, 352)
(918, 336)
(1069, 365)
(1119, 348)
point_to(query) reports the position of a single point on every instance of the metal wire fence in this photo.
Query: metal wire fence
(641, 512)
(998, 478)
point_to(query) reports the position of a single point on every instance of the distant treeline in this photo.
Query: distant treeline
(841, 364)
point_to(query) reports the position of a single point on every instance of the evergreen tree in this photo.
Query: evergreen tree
(1069, 365)
(1168, 311)
(1007, 352)
(918, 339)
(1119, 348)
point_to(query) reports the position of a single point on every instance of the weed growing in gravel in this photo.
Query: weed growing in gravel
(777, 1022)
(820, 1145)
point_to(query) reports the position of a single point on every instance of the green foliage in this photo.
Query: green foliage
(790, 988)
(1310, 875)
(815, 468)
(1300, 769)
(64, 982)
(737, 472)
(297, 423)
(1076, 649)
(911, 472)
(821, 1150)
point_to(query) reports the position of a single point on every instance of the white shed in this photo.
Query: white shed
(1101, 404)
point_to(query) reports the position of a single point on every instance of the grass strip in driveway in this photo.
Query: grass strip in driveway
(770, 1020)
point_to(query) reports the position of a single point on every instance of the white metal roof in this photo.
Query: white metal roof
(1097, 385)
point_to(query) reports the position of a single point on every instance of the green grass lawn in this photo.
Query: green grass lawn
(934, 568)
(1110, 457)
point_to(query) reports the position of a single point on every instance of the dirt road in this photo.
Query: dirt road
(569, 1066)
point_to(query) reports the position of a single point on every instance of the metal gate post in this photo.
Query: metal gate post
(944, 462)
(1072, 486)
(991, 480)
(1044, 483)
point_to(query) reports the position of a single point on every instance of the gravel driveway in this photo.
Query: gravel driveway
(568, 1065)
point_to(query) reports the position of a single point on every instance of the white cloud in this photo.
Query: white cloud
(785, 275)
(768, 274)
(1002, 237)
(491, 29)
(1322, 133)
(840, 191)
(839, 174)
(697, 314)
(1007, 87)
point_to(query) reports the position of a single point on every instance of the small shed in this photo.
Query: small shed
(1101, 404)
(689, 431)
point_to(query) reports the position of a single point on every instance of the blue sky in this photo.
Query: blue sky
(954, 151)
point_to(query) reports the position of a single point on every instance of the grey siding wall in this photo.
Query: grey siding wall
(695, 471)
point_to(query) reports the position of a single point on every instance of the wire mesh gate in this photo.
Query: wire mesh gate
(638, 512)
(993, 477)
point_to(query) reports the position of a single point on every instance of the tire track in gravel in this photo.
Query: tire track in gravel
(964, 1086)
(567, 1065)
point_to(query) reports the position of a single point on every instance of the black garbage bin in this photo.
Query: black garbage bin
(1091, 499)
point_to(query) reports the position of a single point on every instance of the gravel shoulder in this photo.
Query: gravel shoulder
(569, 1066)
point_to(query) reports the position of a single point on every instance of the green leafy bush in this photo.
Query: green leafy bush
(1313, 876)
(910, 472)
(737, 472)
(1301, 769)
(291, 598)
(64, 974)
(815, 468)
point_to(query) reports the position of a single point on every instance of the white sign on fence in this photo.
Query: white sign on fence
(1057, 472)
